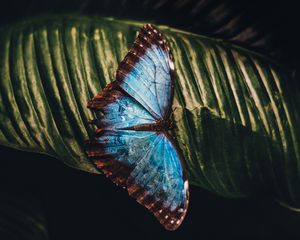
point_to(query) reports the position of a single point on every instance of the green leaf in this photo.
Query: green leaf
(236, 112)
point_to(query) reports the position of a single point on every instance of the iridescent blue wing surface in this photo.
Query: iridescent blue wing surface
(149, 166)
(118, 110)
(146, 73)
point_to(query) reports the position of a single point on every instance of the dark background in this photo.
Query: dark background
(269, 27)
(79, 205)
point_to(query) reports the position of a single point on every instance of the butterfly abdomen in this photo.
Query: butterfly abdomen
(159, 126)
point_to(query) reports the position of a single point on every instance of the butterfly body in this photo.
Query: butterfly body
(159, 126)
(132, 145)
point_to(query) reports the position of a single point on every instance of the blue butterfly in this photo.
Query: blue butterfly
(132, 145)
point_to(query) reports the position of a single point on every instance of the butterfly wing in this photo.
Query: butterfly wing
(118, 110)
(146, 72)
(149, 166)
(146, 163)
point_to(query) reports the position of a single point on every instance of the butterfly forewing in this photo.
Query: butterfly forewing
(118, 109)
(146, 73)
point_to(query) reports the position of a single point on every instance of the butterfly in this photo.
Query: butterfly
(132, 144)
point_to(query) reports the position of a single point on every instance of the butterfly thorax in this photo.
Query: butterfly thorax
(160, 125)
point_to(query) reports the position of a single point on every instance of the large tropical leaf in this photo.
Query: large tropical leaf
(236, 112)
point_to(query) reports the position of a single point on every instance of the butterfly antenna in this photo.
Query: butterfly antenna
(171, 122)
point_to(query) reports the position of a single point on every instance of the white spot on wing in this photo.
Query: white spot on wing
(180, 210)
(186, 185)
(172, 68)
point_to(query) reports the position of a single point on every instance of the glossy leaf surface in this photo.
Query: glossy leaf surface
(235, 112)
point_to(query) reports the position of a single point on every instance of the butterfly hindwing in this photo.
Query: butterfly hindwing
(146, 72)
(149, 166)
